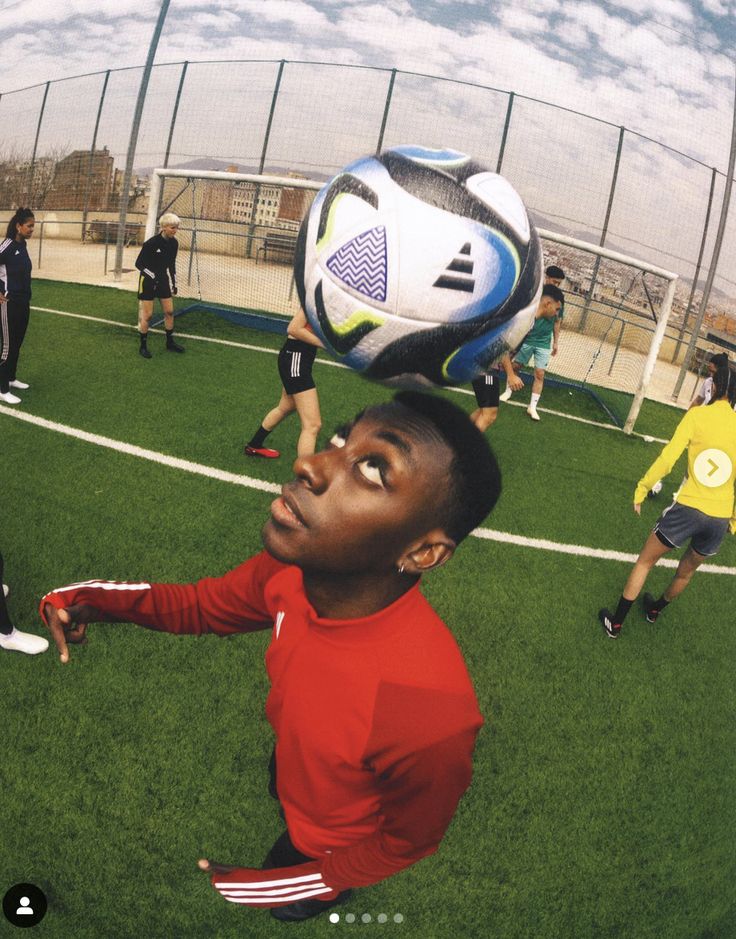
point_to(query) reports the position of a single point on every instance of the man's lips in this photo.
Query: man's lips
(284, 511)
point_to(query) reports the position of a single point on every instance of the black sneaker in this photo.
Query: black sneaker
(145, 353)
(174, 346)
(612, 630)
(306, 909)
(650, 611)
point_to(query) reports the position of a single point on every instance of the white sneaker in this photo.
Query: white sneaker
(23, 642)
(9, 398)
(6, 590)
(532, 412)
(506, 395)
(20, 385)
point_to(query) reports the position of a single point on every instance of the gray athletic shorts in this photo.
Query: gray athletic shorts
(680, 522)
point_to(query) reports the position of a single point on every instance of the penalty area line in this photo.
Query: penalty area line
(211, 472)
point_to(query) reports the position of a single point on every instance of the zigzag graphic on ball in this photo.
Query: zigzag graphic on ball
(361, 263)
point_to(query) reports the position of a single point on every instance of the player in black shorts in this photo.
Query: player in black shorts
(157, 263)
(487, 390)
(298, 393)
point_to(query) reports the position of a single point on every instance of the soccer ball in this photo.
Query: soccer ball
(419, 262)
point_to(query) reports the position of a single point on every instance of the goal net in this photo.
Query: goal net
(236, 249)
(615, 328)
(236, 241)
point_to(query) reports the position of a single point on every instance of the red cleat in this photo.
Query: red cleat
(261, 451)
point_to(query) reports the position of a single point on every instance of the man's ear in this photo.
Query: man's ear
(426, 553)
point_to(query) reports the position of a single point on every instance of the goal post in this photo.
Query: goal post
(621, 309)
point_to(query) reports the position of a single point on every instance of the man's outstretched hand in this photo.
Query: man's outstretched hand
(69, 625)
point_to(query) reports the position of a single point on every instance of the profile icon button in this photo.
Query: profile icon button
(24, 905)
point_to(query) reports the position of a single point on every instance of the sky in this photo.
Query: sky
(662, 68)
(658, 66)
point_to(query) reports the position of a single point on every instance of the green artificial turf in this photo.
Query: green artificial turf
(604, 797)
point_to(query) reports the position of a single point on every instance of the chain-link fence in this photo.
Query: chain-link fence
(578, 174)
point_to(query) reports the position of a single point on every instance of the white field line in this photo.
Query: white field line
(330, 362)
(212, 473)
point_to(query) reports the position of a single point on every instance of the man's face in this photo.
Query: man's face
(549, 307)
(553, 280)
(354, 507)
(169, 231)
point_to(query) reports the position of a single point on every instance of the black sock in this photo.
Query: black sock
(621, 610)
(144, 339)
(258, 437)
(169, 336)
(660, 604)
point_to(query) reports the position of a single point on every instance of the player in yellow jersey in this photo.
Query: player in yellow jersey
(703, 509)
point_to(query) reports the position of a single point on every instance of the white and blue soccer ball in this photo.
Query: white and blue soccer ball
(419, 262)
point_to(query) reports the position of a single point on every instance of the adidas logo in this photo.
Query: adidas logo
(459, 272)
(158, 251)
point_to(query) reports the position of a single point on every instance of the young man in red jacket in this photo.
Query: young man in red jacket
(371, 704)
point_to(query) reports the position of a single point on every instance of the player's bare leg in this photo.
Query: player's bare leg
(689, 563)
(483, 418)
(145, 312)
(283, 409)
(307, 406)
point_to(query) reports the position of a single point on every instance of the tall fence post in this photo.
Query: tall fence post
(604, 230)
(133, 142)
(714, 260)
(175, 112)
(32, 167)
(505, 134)
(90, 167)
(272, 111)
(696, 275)
(386, 108)
(262, 162)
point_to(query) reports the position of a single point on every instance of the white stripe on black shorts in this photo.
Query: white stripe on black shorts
(295, 366)
(678, 523)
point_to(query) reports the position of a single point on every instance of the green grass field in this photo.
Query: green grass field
(604, 798)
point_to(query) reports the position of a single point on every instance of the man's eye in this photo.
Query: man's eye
(371, 469)
(338, 439)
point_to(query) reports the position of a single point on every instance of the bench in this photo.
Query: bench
(107, 232)
(277, 246)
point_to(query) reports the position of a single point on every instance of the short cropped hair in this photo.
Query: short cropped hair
(475, 479)
(168, 218)
(551, 290)
(554, 271)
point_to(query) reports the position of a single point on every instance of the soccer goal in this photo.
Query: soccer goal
(617, 310)
(236, 241)
(236, 250)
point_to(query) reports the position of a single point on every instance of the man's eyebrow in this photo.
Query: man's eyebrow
(396, 440)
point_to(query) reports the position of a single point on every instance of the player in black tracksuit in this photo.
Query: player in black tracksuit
(15, 301)
(157, 263)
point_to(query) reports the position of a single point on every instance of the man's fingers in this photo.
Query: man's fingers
(75, 632)
(58, 621)
(212, 867)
